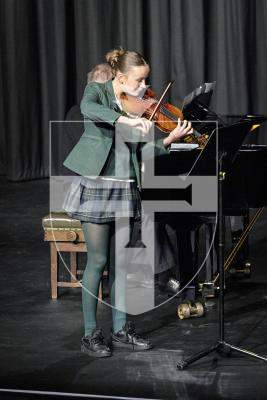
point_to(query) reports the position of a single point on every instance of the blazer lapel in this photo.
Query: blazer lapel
(111, 96)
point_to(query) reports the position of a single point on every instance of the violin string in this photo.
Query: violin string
(167, 113)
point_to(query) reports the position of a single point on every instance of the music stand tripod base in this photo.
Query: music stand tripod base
(231, 138)
(222, 348)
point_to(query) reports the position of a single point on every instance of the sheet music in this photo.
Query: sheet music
(183, 146)
(203, 89)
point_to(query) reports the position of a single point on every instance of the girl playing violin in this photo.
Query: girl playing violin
(93, 159)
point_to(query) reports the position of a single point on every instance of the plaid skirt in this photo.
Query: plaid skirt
(101, 201)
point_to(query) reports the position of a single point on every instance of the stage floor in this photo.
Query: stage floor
(40, 338)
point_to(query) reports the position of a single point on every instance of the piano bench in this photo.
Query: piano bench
(65, 234)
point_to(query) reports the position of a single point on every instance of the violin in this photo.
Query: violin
(164, 115)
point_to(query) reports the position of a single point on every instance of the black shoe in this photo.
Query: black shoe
(189, 293)
(142, 278)
(95, 345)
(128, 338)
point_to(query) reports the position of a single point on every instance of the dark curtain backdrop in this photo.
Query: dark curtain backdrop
(47, 47)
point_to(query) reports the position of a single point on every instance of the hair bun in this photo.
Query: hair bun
(113, 56)
(123, 60)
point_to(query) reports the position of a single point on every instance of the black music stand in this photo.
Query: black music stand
(230, 140)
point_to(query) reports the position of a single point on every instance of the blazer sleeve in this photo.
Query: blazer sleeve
(92, 107)
(154, 149)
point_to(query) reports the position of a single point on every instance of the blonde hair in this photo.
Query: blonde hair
(123, 60)
(100, 73)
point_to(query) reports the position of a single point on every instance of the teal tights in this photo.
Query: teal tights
(100, 241)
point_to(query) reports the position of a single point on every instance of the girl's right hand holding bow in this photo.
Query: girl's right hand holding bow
(143, 124)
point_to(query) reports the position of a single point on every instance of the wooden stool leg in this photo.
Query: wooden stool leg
(73, 266)
(100, 292)
(54, 270)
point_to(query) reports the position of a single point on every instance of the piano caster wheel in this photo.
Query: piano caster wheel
(190, 309)
(239, 271)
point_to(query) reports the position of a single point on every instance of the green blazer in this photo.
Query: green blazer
(100, 111)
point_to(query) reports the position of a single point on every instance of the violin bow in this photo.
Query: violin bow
(160, 100)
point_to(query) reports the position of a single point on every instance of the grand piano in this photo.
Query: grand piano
(243, 188)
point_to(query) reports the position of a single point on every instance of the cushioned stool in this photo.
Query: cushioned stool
(65, 234)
